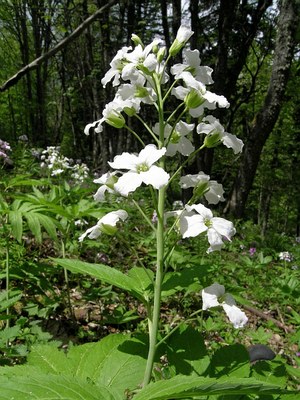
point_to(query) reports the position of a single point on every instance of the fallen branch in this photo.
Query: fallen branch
(62, 44)
(261, 314)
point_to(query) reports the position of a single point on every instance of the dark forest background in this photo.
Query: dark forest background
(253, 47)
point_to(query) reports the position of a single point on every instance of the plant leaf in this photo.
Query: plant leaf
(104, 273)
(182, 387)
(16, 222)
(55, 387)
(187, 352)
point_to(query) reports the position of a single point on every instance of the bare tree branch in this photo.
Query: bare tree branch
(62, 44)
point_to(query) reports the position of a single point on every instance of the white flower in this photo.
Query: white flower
(137, 92)
(183, 35)
(106, 224)
(117, 64)
(140, 170)
(192, 64)
(196, 97)
(140, 59)
(215, 133)
(112, 113)
(215, 295)
(217, 229)
(212, 190)
(286, 256)
(176, 138)
(107, 181)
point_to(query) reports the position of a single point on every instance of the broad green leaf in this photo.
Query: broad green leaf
(55, 387)
(186, 351)
(183, 387)
(49, 359)
(88, 359)
(117, 361)
(230, 360)
(143, 278)
(104, 273)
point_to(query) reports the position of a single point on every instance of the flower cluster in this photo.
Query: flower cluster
(57, 165)
(285, 256)
(141, 76)
(4, 149)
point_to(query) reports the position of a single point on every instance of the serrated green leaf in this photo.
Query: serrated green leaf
(9, 333)
(182, 387)
(104, 273)
(16, 223)
(55, 387)
(6, 303)
(48, 225)
(34, 225)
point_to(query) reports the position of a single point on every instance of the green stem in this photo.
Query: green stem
(154, 317)
(67, 281)
(154, 314)
(185, 162)
(135, 135)
(7, 280)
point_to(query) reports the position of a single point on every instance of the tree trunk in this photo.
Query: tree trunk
(267, 116)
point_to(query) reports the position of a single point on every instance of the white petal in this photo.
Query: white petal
(124, 161)
(185, 147)
(231, 141)
(192, 225)
(89, 126)
(215, 193)
(223, 227)
(189, 180)
(150, 154)
(100, 194)
(215, 99)
(180, 92)
(113, 217)
(235, 315)
(210, 295)
(215, 240)
(156, 176)
(183, 34)
(205, 212)
(128, 183)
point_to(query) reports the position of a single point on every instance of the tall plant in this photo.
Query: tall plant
(121, 366)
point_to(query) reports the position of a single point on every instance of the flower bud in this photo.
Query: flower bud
(108, 229)
(130, 111)
(183, 35)
(212, 140)
(194, 99)
(137, 40)
(161, 54)
(116, 120)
